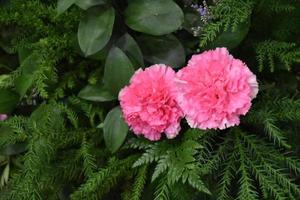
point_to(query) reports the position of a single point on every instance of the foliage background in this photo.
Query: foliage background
(63, 63)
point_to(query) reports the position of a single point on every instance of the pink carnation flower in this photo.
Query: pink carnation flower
(3, 117)
(149, 103)
(215, 89)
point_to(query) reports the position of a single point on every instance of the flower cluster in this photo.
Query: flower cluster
(212, 91)
(205, 15)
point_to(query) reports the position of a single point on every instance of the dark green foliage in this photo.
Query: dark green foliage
(59, 80)
(101, 182)
(285, 52)
(135, 193)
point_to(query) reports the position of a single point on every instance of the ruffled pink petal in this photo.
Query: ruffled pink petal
(149, 103)
(214, 89)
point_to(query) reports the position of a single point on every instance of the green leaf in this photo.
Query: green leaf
(102, 54)
(29, 66)
(157, 17)
(163, 49)
(132, 50)
(115, 129)
(4, 176)
(86, 4)
(118, 70)
(230, 39)
(23, 83)
(95, 29)
(63, 5)
(24, 53)
(96, 93)
(8, 100)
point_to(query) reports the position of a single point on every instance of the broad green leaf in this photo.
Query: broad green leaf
(115, 130)
(96, 93)
(8, 100)
(23, 83)
(229, 38)
(162, 49)
(95, 29)
(132, 50)
(86, 4)
(29, 66)
(23, 53)
(38, 113)
(102, 54)
(157, 17)
(118, 70)
(63, 5)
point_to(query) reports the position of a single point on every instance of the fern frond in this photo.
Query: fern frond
(279, 6)
(221, 154)
(162, 191)
(101, 182)
(210, 33)
(286, 108)
(267, 119)
(264, 166)
(269, 51)
(89, 161)
(161, 167)
(91, 111)
(152, 153)
(71, 115)
(293, 164)
(176, 160)
(195, 181)
(138, 143)
(247, 189)
(139, 183)
(275, 133)
(227, 177)
(228, 14)
(13, 131)
(266, 183)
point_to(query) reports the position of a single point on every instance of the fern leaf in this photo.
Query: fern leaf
(162, 191)
(139, 183)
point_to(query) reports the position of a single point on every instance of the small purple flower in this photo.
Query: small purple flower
(202, 10)
(3, 117)
(205, 15)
